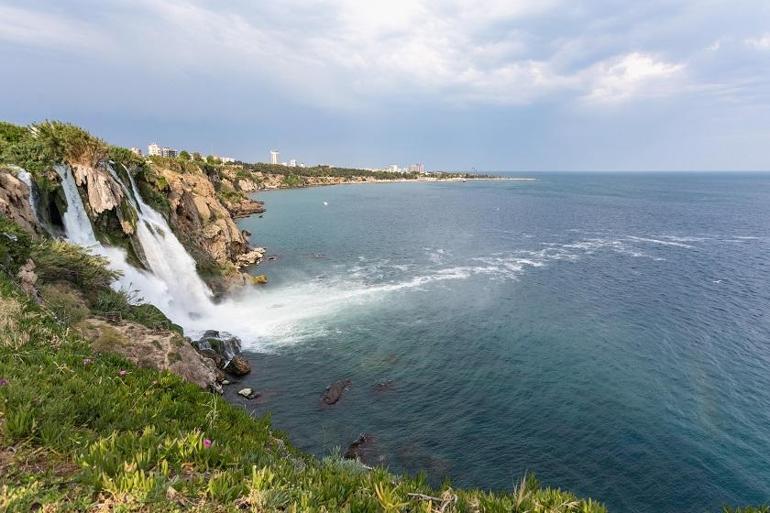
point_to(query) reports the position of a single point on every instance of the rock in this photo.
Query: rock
(248, 393)
(14, 202)
(104, 193)
(238, 366)
(334, 392)
(384, 386)
(361, 449)
(28, 280)
(214, 343)
(226, 382)
(246, 207)
(259, 279)
(151, 348)
(251, 257)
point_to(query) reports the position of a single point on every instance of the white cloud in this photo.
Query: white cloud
(759, 43)
(635, 74)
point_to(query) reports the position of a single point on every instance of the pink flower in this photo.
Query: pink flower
(87, 361)
(207, 443)
(122, 373)
(3, 382)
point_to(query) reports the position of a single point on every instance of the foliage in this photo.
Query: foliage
(124, 305)
(61, 261)
(14, 246)
(38, 147)
(184, 155)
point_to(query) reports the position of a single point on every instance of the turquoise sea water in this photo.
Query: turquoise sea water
(608, 332)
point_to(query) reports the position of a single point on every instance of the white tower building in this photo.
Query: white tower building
(274, 156)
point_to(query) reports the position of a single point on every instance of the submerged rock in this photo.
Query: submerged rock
(384, 386)
(334, 392)
(361, 449)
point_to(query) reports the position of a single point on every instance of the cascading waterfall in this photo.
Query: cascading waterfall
(77, 227)
(173, 285)
(168, 259)
(25, 177)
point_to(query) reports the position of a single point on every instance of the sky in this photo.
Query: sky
(457, 85)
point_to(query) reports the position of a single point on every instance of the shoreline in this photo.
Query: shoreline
(399, 180)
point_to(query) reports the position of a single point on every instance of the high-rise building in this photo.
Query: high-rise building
(168, 152)
(154, 150)
(136, 151)
(293, 163)
(274, 156)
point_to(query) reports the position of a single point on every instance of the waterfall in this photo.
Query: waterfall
(25, 177)
(140, 285)
(168, 260)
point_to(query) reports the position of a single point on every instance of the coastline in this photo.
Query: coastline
(396, 180)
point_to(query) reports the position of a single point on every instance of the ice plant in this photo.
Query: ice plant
(206, 443)
(122, 373)
(3, 382)
(87, 361)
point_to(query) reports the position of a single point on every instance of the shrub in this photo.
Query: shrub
(14, 246)
(61, 261)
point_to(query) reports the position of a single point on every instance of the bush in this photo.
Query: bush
(14, 246)
(61, 261)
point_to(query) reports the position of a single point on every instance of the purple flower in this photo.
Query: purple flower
(3, 382)
(87, 361)
(207, 443)
(122, 373)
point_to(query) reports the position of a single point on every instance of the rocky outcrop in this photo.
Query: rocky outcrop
(252, 257)
(200, 220)
(224, 350)
(28, 280)
(151, 348)
(103, 192)
(14, 201)
(361, 449)
(246, 207)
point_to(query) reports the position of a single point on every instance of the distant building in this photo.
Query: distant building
(168, 152)
(154, 150)
(293, 163)
(393, 168)
(136, 151)
(226, 160)
(274, 156)
(417, 168)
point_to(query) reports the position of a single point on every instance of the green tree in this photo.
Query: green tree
(184, 155)
(197, 156)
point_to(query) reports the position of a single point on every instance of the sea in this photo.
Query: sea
(607, 332)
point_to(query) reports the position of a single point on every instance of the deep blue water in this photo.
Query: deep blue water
(608, 332)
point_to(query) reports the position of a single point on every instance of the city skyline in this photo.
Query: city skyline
(491, 85)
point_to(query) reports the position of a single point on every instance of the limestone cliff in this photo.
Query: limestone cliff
(15, 202)
(203, 224)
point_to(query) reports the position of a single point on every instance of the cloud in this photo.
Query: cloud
(348, 54)
(759, 43)
(635, 74)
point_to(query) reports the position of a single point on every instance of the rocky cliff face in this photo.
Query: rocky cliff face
(14, 201)
(205, 226)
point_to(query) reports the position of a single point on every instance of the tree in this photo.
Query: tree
(184, 155)
(211, 159)
(197, 156)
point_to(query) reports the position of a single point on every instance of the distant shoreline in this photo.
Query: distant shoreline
(402, 180)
